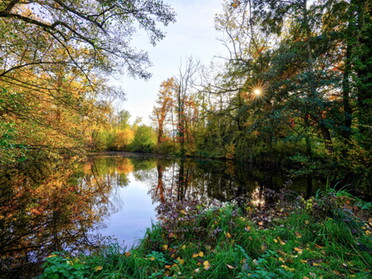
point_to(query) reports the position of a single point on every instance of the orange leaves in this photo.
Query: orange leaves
(35, 211)
(299, 250)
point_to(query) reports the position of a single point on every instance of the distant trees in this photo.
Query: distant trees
(54, 57)
(119, 135)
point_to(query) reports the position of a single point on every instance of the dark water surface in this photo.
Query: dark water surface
(109, 199)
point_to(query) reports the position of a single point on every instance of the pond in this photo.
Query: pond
(113, 199)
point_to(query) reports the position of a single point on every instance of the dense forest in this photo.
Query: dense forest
(295, 89)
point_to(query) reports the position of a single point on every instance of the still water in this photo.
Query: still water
(113, 199)
(139, 185)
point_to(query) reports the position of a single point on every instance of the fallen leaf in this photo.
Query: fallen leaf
(299, 250)
(127, 254)
(207, 265)
(200, 254)
(287, 267)
(230, 266)
(228, 235)
(97, 268)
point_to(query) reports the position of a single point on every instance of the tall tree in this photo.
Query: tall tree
(164, 105)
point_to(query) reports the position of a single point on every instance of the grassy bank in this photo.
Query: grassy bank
(328, 236)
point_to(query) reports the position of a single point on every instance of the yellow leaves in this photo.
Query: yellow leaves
(200, 254)
(287, 267)
(298, 235)
(183, 247)
(165, 247)
(235, 4)
(279, 240)
(98, 268)
(51, 256)
(206, 265)
(152, 258)
(247, 228)
(180, 261)
(183, 212)
(228, 235)
(299, 250)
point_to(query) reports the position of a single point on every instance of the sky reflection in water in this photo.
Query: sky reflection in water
(135, 212)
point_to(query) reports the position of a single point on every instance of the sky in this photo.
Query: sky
(193, 34)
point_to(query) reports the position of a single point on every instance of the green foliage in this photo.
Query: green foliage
(144, 139)
(311, 239)
(11, 151)
(167, 147)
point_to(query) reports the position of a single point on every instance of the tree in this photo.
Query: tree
(54, 59)
(185, 81)
(164, 105)
(103, 28)
(144, 139)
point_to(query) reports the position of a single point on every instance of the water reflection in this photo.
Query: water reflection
(76, 207)
(47, 207)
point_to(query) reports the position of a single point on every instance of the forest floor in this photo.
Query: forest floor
(327, 236)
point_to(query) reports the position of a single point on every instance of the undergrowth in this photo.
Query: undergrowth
(327, 236)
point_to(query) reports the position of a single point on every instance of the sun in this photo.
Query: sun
(257, 91)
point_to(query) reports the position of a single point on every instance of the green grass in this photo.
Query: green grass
(326, 237)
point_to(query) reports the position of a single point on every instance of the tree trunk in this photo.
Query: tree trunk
(327, 138)
(346, 96)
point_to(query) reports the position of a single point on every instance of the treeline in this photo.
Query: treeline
(119, 135)
(297, 85)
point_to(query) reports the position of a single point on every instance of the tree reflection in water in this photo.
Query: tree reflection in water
(48, 207)
(60, 206)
